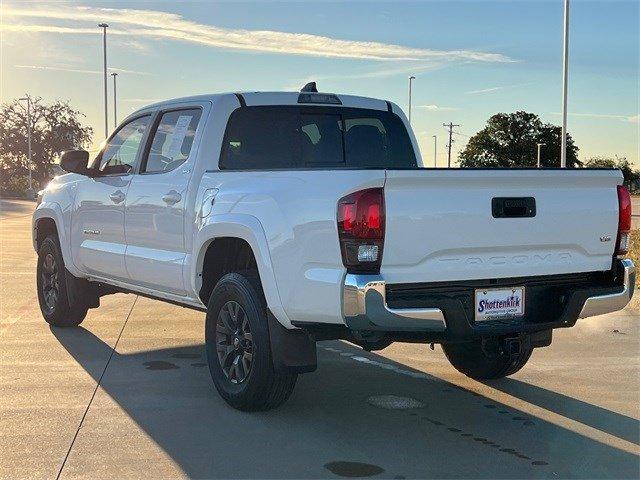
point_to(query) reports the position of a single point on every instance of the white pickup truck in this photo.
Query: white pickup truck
(297, 217)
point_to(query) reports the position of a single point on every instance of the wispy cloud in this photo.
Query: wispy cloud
(79, 70)
(405, 69)
(496, 89)
(604, 116)
(158, 24)
(436, 108)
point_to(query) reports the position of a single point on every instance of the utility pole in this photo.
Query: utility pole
(540, 145)
(565, 80)
(411, 78)
(104, 52)
(115, 101)
(435, 151)
(450, 126)
(28, 99)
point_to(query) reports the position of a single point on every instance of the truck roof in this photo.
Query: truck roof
(273, 98)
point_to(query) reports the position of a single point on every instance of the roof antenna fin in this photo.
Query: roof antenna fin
(310, 87)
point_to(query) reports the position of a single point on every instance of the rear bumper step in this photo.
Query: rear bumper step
(444, 312)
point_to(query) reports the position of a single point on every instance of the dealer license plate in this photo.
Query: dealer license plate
(499, 303)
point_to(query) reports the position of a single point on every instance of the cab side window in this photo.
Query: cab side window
(172, 140)
(119, 156)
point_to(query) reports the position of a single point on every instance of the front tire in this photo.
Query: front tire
(52, 286)
(238, 347)
(485, 360)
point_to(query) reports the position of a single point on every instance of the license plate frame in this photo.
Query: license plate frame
(508, 303)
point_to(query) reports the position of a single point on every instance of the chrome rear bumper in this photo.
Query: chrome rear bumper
(364, 305)
(613, 302)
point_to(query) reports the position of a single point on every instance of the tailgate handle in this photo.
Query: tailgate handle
(513, 207)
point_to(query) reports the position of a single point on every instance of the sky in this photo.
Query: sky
(471, 59)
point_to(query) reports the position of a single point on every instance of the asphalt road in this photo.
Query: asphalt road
(127, 395)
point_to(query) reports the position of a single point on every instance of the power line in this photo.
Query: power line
(450, 126)
(462, 134)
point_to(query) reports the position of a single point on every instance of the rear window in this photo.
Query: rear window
(315, 137)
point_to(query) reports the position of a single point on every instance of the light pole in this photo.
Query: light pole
(435, 151)
(115, 101)
(26, 97)
(411, 78)
(565, 78)
(540, 145)
(104, 51)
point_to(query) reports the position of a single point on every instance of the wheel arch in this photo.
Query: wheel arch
(47, 219)
(239, 228)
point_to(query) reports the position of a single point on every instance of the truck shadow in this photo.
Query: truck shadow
(616, 424)
(330, 421)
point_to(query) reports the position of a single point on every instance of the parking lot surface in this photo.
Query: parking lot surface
(128, 395)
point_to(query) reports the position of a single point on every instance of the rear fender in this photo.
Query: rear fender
(249, 229)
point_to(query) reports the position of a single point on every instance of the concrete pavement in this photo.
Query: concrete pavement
(128, 395)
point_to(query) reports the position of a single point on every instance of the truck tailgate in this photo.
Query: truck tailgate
(440, 225)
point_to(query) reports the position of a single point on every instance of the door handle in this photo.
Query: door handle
(117, 196)
(171, 198)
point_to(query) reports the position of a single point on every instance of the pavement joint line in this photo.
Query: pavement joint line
(95, 390)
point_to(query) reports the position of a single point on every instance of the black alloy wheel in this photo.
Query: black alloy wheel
(50, 278)
(234, 342)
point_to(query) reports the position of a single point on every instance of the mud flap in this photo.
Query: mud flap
(79, 290)
(292, 351)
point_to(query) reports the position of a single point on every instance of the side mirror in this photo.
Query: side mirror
(75, 161)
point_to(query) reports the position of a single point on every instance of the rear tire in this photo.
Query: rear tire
(52, 286)
(488, 361)
(238, 347)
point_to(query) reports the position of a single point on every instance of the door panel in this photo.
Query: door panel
(98, 227)
(98, 244)
(155, 206)
(155, 233)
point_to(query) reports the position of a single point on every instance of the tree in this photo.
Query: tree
(631, 176)
(510, 140)
(54, 127)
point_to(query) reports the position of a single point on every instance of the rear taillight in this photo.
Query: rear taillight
(624, 221)
(361, 230)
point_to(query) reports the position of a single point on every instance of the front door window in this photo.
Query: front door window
(119, 156)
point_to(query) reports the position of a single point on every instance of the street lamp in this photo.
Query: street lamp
(115, 101)
(565, 78)
(104, 52)
(435, 151)
(411, 78)
(28, 100)
(540, 145)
